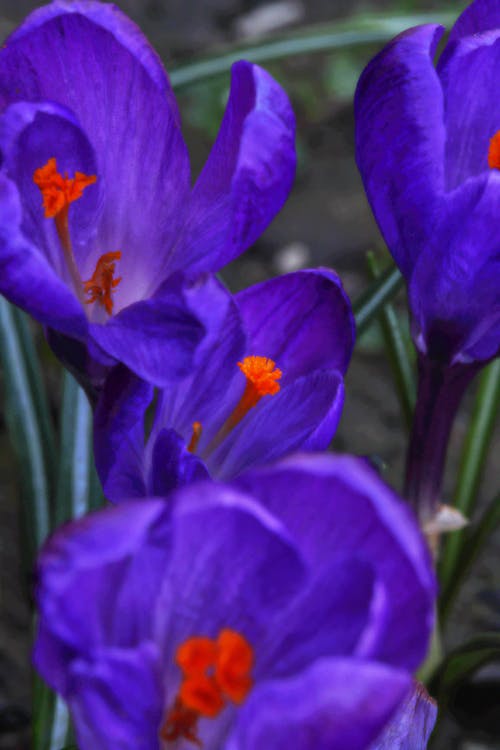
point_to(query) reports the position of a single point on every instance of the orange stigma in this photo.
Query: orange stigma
(261, 374)
(215, 672)
(494, 152)
(58, 191)
(102, 284)
(195, 437)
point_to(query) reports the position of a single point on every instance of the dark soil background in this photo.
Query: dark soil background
(326, 221)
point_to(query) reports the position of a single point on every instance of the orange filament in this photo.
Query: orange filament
(215, 672)
(494, 152)
(195, 437)
(261, 374)
(102, 284)
(58, 191)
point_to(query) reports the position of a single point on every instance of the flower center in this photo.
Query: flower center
(261, 375)
(58, 192)
(494, 152)
(214, 673)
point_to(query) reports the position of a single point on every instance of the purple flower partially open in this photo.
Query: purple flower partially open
(268, 381)
(428, 149)
(97, 209)
(285, 610)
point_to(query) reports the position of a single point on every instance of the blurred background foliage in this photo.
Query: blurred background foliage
(316, 49)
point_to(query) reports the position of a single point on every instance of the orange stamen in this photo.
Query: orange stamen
(102, 283)
(214, 672)
(195, 437)
(494, 152)
(261, 374)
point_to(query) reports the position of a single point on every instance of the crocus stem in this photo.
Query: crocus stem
(440, 391)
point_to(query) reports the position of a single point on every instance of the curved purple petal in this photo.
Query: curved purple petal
(129, 117)
(26, 277)
(303, 321)
(454, 290)
(468, 71)
(400, 139)
(156, 338)
(172, 465)
(350, 508)
(247, 177)
(334, 705)
(119, 435)
(304, 413)
(90, 590)
(411, 727)
(30, 135)
(479, 16)
(117, 700)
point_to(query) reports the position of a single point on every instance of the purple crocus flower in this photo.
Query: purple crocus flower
(287, 609)
(427, 146)
(97, 210)
(412, 725)
(268, 381)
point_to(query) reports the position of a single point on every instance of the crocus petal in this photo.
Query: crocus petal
(206, 394)
(172, 465)
(400, 140)
(411, 727)
(101, 559)
(348, 508)
(129, 117)
(117, 700)
(248, 175)
(119, 434)
(156, 338)
(304, 413)
(479, 16)
(302, 320)
(30, 135)
(454, 291)
(467, 70)
(334, 705)
(26, 277)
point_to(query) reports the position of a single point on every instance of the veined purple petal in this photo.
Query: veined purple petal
(334, 705)
(468, 70)
(172, 465)
(247, 177)
(30, 135)
(303, 321)
(119, 435)
(400, 139)
(304, 413)
(129, 117)
(454, 290)
(156, 338)
(27, 278)
(412, 725)
(479, 16)
(349, 507)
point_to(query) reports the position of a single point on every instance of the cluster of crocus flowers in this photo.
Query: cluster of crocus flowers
(98, 214)
(229, 619)
(427, 148)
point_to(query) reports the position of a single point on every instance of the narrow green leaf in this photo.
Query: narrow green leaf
(24, 429)
(370, 303)
(397, 350)
(463, 662)
(473, 458)
(360, 30)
